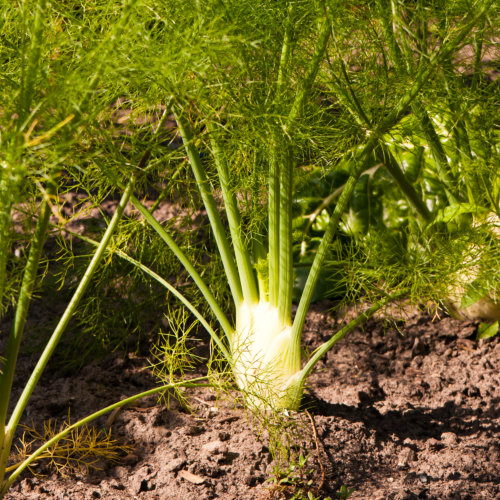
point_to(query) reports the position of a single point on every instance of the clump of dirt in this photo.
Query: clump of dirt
(406, 413)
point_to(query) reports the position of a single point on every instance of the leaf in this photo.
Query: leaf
(487, 330)
(321, 221)
(453, 211)
(474, 292)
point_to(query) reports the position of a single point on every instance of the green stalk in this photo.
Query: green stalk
(285, 247)
(437, 150)
(196, 382)
(216, 309)
(17, 330)
(274, 222)
(393, 167)
(4, 246)
(311, 73)
(211, 208)
(60, 328)
(478, 45)
(285, 175)
(286, 51)
(243, 262)
(319, 258)
(360, 319)
(30, 70)
(169, 287)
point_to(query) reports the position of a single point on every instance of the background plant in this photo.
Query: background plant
(437, 167)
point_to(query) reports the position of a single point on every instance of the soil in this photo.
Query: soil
(404, 412)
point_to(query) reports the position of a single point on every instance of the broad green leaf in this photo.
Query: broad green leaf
(487, 330)
(474, 292)
(453, 211)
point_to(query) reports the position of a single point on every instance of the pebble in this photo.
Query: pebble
(449, 438)
(194, 430)
(214, 448)
(224, 436)
(406, 456)
(175, 464)
(192, 478)
(213, 411)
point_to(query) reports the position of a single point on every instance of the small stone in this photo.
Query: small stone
(224, 436)
(175, 464)
(192, 478)
(449, 438)
(96, 494)
(214, 448)
(406, 456)
(194, 430)
(423, 478)
(213, 411)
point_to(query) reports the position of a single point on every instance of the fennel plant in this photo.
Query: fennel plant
(244, 89)
(443, 155)
(243, 81)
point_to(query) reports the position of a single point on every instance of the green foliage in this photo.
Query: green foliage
(286, 110)
(486, 331)
(173, 354)
(83, 449)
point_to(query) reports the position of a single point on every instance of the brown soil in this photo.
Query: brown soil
(408, 414)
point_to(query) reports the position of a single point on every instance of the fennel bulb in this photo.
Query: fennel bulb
(266, 361)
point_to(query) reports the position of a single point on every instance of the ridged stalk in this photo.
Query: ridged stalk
(243, 262)
(4, 247)
(181, 257)
(17, 330)
(213, 215)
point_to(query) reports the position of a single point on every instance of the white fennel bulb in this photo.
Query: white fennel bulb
(266, 361)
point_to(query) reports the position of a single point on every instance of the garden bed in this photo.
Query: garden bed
(405, 414)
